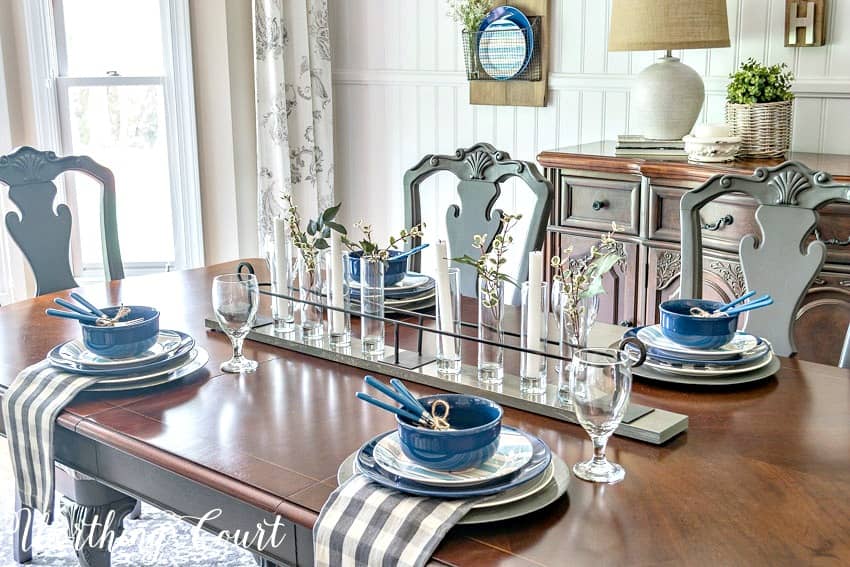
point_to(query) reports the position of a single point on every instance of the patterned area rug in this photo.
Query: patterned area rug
(157, 538)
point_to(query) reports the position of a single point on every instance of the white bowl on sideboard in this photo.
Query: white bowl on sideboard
(712, 149)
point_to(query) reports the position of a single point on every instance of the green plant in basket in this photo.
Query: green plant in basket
(755, 83)
(315, 237)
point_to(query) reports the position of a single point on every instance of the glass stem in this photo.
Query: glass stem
(237, 347)
(599, 444)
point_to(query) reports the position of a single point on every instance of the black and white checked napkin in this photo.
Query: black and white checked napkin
(363, 523)
(30, 407)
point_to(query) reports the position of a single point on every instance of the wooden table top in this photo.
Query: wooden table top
(761, 477)
(600, 156)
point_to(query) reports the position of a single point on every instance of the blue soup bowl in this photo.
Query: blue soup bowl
(123, 341)
(474, 437)
(688, 330)
(394, 270)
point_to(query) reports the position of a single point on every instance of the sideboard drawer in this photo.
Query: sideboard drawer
(594, 204)
(724, 221)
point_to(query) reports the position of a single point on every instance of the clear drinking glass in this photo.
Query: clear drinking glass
(372, 303)
(601, 381)
(235, 298)
(311, 276)
(282, 268)
(575, 320)
(491, 309)
(448, 319)
(533, 335)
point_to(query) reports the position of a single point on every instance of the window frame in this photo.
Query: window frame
(45, 40)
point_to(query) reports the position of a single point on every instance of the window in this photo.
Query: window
(118, 74)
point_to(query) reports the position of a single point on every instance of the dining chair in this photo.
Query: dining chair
(44, 234)
(44, 237)
(481, 170)
(779, 263)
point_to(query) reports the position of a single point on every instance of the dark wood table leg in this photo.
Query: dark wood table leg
(22, 532)
(95, 515)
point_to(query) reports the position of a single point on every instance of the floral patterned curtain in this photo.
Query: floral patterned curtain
(292, 71)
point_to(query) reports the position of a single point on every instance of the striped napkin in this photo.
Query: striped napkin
(30, 407)
(363, 523)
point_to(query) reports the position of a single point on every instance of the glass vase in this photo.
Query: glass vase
(311, 288)
(491, 309)
(448, 320)
(533, 335)
(372, 304)
(282, 270)
(577, 317)
(339, 296)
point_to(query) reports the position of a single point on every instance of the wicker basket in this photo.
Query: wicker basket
(765, 128)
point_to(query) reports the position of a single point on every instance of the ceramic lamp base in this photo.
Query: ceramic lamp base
(668, 97)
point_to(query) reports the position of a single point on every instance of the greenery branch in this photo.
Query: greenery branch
(469, 13)
(314, 238)
(490, 263)
(374, 251)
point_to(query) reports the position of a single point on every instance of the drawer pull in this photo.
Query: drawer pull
(599, 205)
(627, 323)
(721, 222)
(832, 241)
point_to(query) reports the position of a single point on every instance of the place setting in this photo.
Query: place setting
(697, 342)
(403, 289)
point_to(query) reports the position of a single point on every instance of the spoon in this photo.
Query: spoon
(411, 252)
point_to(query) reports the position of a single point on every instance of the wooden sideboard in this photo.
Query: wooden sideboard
(594, 187)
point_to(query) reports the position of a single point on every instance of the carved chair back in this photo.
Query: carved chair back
(779, 264)
(481, 169)
(44, 235)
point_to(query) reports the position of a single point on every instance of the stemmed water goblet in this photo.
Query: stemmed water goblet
(235, 299)
(601, 382)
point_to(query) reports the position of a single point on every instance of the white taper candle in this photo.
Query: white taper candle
(535, 308)
(337, 276)
(444, 293)
(280, 264)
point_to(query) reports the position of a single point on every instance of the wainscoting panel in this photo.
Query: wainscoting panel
(401, 93)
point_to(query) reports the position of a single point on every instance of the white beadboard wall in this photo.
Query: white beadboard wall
(401, 93)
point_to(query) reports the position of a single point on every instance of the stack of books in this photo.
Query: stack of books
(636, 145)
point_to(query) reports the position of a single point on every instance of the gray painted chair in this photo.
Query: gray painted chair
(788, 196)
(44, 236)
(481, 169)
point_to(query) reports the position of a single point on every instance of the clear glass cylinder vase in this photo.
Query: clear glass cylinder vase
(372, 306)
(533, 336)
(491, 309)
(311, 290)
(282, 270)
(577, 316)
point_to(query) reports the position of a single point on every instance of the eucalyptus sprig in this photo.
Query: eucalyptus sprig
(318, 231)
(582, 277)
(754, 83)
(371, 249)
(489, 263)
(469, 13)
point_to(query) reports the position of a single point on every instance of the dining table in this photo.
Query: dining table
(760, 477)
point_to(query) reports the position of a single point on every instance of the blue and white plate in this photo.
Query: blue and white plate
(514, 451)
(662, 356)
(368, 466)
(74, 352)
(178, 369)
(412, 284)
(516, 16)
(185, 345)
(502, 49)
(653, 338)
(709, 370)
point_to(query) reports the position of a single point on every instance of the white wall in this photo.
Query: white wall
(400, 92)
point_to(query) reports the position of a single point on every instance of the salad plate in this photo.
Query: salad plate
(160, 364)
(653, 338)
(367, 465)
(519, 18)
(502, 49)
(513, 452)
(74, 354)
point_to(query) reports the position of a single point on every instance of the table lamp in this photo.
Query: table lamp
(668, 95)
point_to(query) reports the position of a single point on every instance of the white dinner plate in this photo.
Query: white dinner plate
(75, 353)
(513, 452)
(194, 361)
(652, 337)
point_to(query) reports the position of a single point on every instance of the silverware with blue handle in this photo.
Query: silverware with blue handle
(402, 389)
(757, 304)
(90, 319)
(732, 304)
(411, 407)
(398, 411)
(85, 303)
(72, 307)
